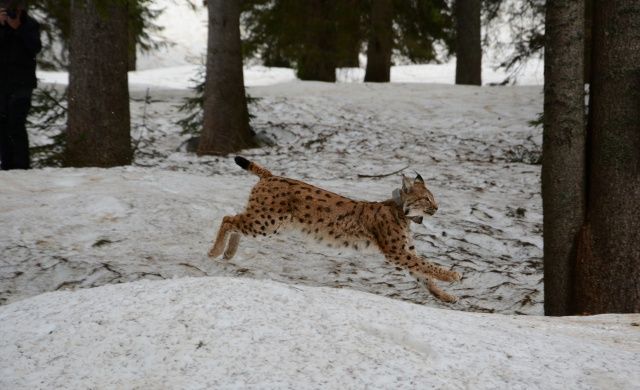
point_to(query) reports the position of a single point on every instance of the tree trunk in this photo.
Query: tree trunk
(564, 142)
(132, 50)
(380, 42)
(226, 118)
(98, 132)
(318, 59)
(608, 274)
(349, 38)
(588, 22)
(468, 42)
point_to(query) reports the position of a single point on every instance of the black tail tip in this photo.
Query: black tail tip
(243, 162)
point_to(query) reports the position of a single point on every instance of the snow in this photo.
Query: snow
(91, 227)
(185, 29)
(105, 282)
(239, 333)
(182, 76)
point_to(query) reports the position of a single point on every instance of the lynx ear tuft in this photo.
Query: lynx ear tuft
(406, 183)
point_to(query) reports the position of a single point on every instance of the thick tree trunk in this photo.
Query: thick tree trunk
(564, 143)
(588, 22)
(226, 118)
(98, 132)
(349, 37)
(318, 59)
(132, 50)
(609, 266)
(468, 42)
(380, 42)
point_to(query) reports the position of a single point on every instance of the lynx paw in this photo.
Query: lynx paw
(449, 298)
(213, 253)
(455, 276)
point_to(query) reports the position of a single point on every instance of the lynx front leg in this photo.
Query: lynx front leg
(434, 270)
(440, 273)
(439, 293)
(232, 246)
(424, 270)
(229, 224)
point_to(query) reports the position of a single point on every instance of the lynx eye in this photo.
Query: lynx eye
(417, 220)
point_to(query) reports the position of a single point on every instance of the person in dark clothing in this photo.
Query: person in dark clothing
(19, 44)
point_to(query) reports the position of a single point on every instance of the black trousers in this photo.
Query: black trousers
(14, 141)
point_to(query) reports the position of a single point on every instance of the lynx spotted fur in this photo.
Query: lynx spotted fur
(278, 203)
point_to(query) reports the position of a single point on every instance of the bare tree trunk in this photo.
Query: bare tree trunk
(318, 59)
(98, 132)
(226, 118)
(380, 42)
(349, 33)
(132, 50)
(468, 42)
(564, 143)
(608, 274)
(588, 22)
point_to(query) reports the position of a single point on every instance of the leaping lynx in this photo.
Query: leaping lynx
(277, 203)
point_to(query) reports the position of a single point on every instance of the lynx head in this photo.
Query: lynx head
(417, 200)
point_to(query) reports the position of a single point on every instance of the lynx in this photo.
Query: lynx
(277, 203)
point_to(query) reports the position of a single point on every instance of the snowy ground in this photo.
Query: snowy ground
(285, 313)
(185, 30)
(213, 333)
(85, 228)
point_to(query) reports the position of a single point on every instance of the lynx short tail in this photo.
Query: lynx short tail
(252, 167)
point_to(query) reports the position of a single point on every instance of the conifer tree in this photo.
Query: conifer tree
(468, 42)
(564, 146)
(98, 132)
(591, 173)
(226, 118)
(380, 42)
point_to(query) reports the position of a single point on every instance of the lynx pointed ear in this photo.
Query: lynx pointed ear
(406, 183)
(419, 178)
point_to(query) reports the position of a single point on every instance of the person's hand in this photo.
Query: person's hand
(3, 16)
(5, 19)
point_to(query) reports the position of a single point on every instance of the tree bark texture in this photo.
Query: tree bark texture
(608, 269)
(226, 117)
(132, 50)
(99, 130)
(349, 36)
(564, 150)
(588, 22)
(380, 43)
(318, 58)
(468, 42)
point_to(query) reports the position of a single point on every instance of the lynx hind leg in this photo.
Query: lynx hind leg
(439, 293)
(232, 246)
(229, 225)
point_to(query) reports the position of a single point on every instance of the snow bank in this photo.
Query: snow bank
(240, 333)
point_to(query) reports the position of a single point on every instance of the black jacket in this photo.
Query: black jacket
(18, 49)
